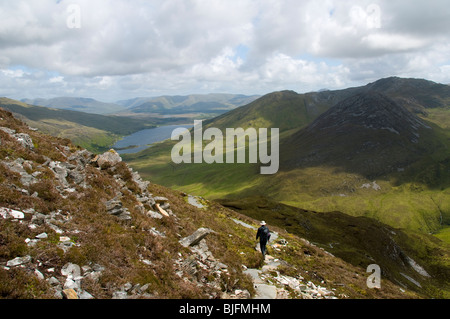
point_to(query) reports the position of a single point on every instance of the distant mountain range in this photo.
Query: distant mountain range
(196, 103)
(81, 104)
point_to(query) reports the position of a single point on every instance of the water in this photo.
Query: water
(143, 139)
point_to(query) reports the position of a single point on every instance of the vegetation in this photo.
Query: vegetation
(119, 246)
(411, 182)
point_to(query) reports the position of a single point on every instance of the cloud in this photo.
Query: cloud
(124, 48)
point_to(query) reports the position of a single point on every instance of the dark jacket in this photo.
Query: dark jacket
(263, 234)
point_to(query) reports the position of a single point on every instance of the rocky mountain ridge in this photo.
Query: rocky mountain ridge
(368, 132)
(79, 225)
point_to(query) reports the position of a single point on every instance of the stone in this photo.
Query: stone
(109, 158)
(53, 281)
(71, 270)
(25, 140)
(72, 284)
(154, 214)
(69, 294)
(18, 261)
(39, 275)
(160, 199)
(85, 295)
(42, 236)
(196, 237)
(11, 213)
(119, 295)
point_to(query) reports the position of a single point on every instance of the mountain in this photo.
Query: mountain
(381, 150)
(195, 103)
(81, 104)
(74, 224)
(367, 133)
(93, 131)
(290, 110)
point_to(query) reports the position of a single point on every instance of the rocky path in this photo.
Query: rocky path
(268, 286)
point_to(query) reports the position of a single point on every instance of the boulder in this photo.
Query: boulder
(25, 140)
(108, 159)
(196, 237)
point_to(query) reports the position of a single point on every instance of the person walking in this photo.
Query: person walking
(263, 234)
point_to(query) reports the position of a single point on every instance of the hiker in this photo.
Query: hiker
(264, 235)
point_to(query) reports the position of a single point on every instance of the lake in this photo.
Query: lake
(141, 140)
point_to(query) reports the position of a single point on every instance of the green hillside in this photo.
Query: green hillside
(411, 193)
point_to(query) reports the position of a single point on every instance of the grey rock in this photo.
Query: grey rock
(18, 261)
(7, 213)
(109, 158)
(196, 237)
(39, 275)
(119, 295)
(71, 270)
(154, 214)
(25, 140)
(42, 236)
(85, 295)
(160, 199)
(53, 281)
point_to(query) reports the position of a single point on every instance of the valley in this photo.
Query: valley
(363, 174)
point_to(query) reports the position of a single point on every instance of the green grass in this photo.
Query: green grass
(444, 234)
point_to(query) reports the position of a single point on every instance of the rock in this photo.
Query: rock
(18, 261)
(119, 295)
(42, 236)
(140, 183)
(25, 140)
(60, 172)
(85, 295)
(39, 275)
(108, 159)
(64, 238)
(160, 199)
(71, 270)
(196, 237)
(17, 166)
(69, 294)
(53, 281)
(115, 207)
(11, 213)
(155, 215)
(72, 284)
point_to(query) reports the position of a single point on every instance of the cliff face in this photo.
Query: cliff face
(74, 224)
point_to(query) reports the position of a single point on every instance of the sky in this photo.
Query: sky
(119, 49)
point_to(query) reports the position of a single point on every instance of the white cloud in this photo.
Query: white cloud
(133, 48)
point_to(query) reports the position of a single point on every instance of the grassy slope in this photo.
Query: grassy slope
(416, 198)
(359, 241)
